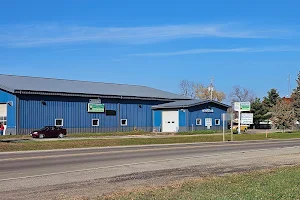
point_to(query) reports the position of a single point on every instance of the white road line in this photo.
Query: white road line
(139, 163)
(131, 151)
(270, 140)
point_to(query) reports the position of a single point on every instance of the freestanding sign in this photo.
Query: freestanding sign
(237, 106)
(245, 106)
(247, 118)
(241, 107)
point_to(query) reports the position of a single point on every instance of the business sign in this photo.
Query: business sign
(208, 122)
(242, 106)
(236, 106)
(207, 110)
(96, 107)
(227, 116)
(95, 101)
(247, 118)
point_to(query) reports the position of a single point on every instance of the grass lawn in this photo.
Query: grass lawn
(142, 133)
(79, 135)
(64, 144)
(281, 183)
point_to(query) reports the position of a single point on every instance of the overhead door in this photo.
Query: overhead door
(170, 121)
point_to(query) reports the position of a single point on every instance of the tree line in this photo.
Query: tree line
(284, 113)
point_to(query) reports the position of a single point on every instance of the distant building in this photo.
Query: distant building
(287, 100)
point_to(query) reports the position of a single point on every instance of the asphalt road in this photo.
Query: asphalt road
(23, 164)
(23, 170)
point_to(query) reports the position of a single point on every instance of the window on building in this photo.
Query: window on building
(198, 122)
(123, 122)
(59, 122)
(218, 122)
(95, 122)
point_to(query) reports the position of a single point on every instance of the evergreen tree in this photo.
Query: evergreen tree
(296, 99)
(271, 99)
(259, 111)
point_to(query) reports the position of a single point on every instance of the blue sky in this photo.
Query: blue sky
(254, 44)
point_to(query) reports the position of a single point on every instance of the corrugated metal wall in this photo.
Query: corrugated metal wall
(157, 120)
(11, 111)
(34, 115)
(196, 112)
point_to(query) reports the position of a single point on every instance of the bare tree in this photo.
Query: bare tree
(187, 88)
(204, 93)
(199, 91)
(240, 94)
(283, 115)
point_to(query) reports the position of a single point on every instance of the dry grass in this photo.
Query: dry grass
(281, 183)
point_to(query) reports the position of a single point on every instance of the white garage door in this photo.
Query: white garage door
(3, 114)
(170, 121)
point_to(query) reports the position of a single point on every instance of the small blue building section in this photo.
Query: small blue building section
(182, 120)
(194, 114)
(157, 120)
(202, 115)
(9, 101)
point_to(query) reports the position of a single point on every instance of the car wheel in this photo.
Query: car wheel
(61, 135)
(41, 136)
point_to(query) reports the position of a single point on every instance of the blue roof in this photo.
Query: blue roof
(51, 86)
(186, 104)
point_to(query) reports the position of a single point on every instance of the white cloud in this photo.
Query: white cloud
(236, 50)
(37, 35)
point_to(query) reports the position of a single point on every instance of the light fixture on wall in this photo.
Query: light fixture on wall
(43, 102)
(140, 106)
(10, 103)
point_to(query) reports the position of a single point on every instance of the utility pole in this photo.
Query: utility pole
(211, 88)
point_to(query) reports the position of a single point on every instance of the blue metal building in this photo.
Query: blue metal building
(187, 115)
(28, 103)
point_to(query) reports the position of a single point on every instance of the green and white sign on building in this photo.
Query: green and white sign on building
(96, 107)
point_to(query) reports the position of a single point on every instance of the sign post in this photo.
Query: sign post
(239, 121)
(223, 118)
(231, 121)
